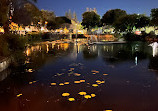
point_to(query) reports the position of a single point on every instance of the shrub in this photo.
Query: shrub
(10, 43)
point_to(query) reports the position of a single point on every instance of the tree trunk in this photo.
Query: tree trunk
(6, 27)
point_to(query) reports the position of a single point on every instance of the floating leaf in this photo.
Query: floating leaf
(82, 93)
(98, 81)
(76, 74)
(93, 73)
(77, 82)
(82, 80)
(34, 81)
(72, 68)
(102, 82)
(18, 95)
(93, 70)
(105, 74)
(53, 84)
(96, 71)
(95, 85)
(29, 70)
(61, 84)
(93, 95)
(65, 94)
(66, 83)
(30, 82)
(71, 99)
(87, 96)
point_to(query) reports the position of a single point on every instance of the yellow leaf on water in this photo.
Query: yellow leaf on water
(98, 81)
(30, 82)
(65, 94)
(76, 74)
(53, 84)
(105, 74)
(18, 95)
(77, 82)
(72, 68)
(66, 83)
(93, 73)
(93, 70)
(95, 85)
(93, 95)
(82, 93)
(61, 84)
(102, 82)
(29, 70)
(87, 96)
(82, 80)
(71, 99)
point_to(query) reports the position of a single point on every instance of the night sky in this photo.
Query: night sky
(79, 6)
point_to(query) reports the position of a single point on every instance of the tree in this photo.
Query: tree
(66, 14)
(90, 19)
(154, 16)
(28, 11)
(5, 6)
(74, 16)
(128, 22)
(112, 15)
(69, 14)
(48, 15)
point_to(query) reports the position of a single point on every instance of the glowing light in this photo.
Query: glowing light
(47, 48)
(1, 29)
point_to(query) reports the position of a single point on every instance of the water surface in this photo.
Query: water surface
(128, 70)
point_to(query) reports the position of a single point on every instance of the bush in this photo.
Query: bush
(133, 37)
(34, 37)
(10, 43)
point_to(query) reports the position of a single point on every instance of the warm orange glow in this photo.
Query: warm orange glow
(64, 46)
(1, 29)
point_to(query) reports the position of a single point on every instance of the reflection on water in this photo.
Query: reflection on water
(4, 74)
(81, 77)
(154, 46)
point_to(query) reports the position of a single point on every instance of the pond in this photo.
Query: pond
(53, 76)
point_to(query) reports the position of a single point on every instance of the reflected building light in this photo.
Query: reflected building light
(40, 48)
(28, 52)
(47, 48)
(78, 48)
(53, 45)
(136, 60)
(155, 48)
(58, 46)
(112, 48)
